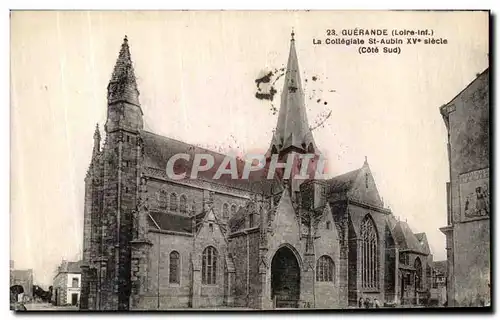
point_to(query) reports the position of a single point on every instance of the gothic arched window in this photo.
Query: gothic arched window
(183, 204)
(225, 211)
(325, 269)
(174, 276)
(173, 202)
(209, 265)
(162, 199)
(369, 254)
(418, 273)
(233, 210)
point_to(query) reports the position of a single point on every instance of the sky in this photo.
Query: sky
(196, 76)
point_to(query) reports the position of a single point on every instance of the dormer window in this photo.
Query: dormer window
(328, 225)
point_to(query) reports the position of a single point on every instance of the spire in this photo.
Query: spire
(97, 140)
(292, 129)
(97, 133)
(122, 86)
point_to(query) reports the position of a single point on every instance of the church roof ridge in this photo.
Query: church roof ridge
(158, 149)
(343, 181)
(187, 143)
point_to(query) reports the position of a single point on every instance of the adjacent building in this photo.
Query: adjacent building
(468, 193)
(67, 284)
(154, 243)
(23, 280)
(439, 276)
(408, 264)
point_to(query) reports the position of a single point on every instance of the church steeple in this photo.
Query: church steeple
(123, 87)
(124, 110)
(292, 130)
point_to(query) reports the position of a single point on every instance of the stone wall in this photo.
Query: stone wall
(327, 295)
(244, 248)
(161, 294)
(357, 214)
(467, 119)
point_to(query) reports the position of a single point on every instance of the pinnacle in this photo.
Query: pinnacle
(97, 133)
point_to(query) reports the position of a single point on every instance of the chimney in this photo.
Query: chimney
(64, 265)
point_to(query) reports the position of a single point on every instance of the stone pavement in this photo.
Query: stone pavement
(49, 307)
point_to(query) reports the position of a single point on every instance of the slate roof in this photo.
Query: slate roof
(420, 236)
(170, 222)
(343, 182)
(405, 238)
(74, 267)
(237, 221)
(292, 129)
(422, 239)
(158, 150)
(70, 267)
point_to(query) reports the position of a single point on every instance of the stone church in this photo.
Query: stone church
(154, 243)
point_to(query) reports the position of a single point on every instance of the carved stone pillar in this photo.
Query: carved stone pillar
(229, 281)
(196, 292)
(264, 296)
(343, 276)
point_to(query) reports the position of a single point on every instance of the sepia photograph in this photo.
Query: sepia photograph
(249, 160)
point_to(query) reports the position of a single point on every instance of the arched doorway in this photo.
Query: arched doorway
(285, 279)
(15, 293)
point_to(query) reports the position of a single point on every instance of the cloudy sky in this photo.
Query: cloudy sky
(196, 74)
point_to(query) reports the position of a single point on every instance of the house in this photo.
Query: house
(21, 283)
(67, 284)
(439, 277)
(468, 237)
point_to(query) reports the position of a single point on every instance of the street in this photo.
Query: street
(49, 307)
